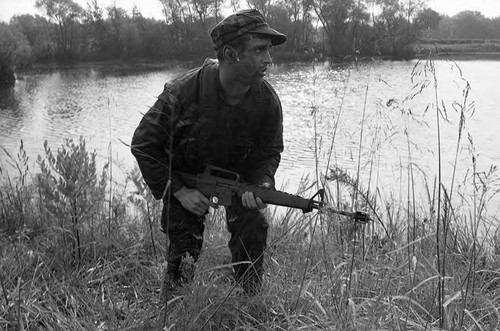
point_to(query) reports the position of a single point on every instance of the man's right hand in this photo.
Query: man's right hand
(194, 201)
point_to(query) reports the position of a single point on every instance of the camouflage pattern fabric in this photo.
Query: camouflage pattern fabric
(244, 22)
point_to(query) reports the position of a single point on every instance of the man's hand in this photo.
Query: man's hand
(194, 201)
(250, 201)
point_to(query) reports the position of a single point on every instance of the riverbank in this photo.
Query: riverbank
(459, 51)
(116, 66)
(459, 48)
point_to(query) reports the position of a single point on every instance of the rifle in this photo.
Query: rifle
(222, 186)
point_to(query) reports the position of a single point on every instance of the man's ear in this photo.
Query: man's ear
(230, 54)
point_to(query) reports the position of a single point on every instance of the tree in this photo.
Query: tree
(173, 17)
(395, 26)
(130, 36)
(299, 27)
(411, 8)
(444, 30)
(36, 31)
(235, 5)
(96, 28)
(7, 48)
(14, 51)
(116, 17)
(427, 19)
(260, 5)
(217, 4)
(202, 8)
(360, 18)
(494, 28)
(339, 19)
(154, 44)
(279, 19)
(470, 24)
(65, 14)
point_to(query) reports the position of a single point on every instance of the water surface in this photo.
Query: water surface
(374, 119)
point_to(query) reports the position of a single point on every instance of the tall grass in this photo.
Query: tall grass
(78, 253)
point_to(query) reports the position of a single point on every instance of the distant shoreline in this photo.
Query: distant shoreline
(439, 52)
(463, 48)
(462, 55)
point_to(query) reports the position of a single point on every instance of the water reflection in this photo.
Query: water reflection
(9, 109)
(8, 100)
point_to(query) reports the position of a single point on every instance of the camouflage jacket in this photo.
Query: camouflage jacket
(191, 126)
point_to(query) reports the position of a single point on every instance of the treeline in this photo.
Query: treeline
(65, 31)
(465, 25)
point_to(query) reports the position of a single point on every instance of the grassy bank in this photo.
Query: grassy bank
(80, 251)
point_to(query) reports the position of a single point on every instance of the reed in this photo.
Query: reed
(77, 253)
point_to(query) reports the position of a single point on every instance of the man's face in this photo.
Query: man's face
(254, 59)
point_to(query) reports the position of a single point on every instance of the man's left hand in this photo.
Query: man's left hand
(249, 200)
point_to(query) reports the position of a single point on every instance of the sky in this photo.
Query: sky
(152, 8)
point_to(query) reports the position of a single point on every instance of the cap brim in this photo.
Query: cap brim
(277, 38)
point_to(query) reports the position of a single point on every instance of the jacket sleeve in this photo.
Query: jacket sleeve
(266, 156)
(153, 147)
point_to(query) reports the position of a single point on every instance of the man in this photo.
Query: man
(224, 114)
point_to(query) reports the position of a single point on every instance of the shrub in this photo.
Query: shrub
(70, 191)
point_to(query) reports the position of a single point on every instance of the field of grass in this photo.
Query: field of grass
(80, 251)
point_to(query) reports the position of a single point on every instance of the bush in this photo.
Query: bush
(70, 192)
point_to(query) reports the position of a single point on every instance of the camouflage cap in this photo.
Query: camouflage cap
(243, 22)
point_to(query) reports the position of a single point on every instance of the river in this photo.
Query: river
(371, 119)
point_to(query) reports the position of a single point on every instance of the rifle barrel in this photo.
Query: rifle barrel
(359, 216)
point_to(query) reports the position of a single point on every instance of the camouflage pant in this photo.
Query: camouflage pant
(248, 229)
